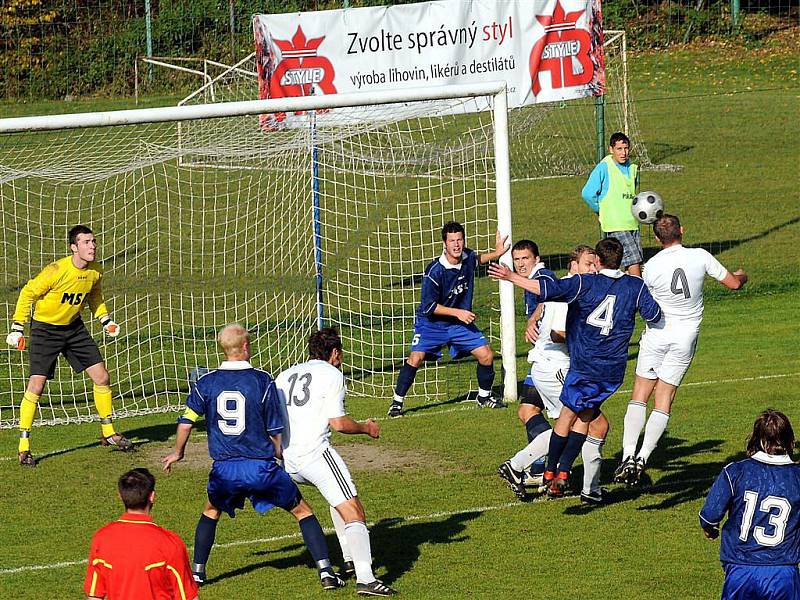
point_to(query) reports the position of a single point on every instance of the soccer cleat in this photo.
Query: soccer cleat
(395, 410)
(532, 480)
(331, 581)
(374, 588)
(26, 459)
(513, 478)
(595, 498)
(625, 471)
(558, 486)
(490, 402)
(118, 441)
(199, 578)
(638, 471)
(349, 570)
(547, 479)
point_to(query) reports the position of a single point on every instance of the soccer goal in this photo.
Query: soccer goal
(328, 221)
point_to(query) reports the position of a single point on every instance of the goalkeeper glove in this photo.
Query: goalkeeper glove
(15, 338)
(109, 326)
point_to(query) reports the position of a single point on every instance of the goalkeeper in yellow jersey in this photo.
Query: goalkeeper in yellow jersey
(56, 296)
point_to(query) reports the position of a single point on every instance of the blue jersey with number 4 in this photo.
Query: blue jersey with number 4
(761, 496)
(241, 407)
(600, 319)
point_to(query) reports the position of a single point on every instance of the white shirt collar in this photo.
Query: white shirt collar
(536, 268)
(235, 365)
(446, 263)
(773, 459)
(613, 273)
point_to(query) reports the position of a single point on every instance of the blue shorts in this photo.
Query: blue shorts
(462, 339)
(580, 393)
(758, 582)
(230, 482)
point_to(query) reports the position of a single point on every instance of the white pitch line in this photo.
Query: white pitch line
(329, 530)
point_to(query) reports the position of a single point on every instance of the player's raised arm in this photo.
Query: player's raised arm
(501, 246)
(503, 273)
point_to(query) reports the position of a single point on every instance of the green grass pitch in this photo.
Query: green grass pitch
(443, 524)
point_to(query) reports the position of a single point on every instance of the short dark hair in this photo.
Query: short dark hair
(579, 251)
(772, 433)
(667, 229)
(73, 234)
(618, 136)
(526, 245)
(453, 227)
(610, 252)
(322, 343)
(135, 488)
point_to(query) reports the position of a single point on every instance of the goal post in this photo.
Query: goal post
(187, 248)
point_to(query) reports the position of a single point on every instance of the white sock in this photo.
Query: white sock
(656, 426)
(532, 452)
(484, 393)
(634, 421)
(398, 399)
(338, 525)
(592, 454)
(358, 540)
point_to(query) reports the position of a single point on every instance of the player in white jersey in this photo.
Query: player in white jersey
(550, 363)
(675, 278)
(312, 398)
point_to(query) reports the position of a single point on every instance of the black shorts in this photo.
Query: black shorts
(73, 341)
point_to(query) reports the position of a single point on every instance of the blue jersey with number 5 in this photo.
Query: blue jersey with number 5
(600, 319)
(761, 496)
(241, 407)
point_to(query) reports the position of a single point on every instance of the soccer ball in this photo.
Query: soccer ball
(647, 207)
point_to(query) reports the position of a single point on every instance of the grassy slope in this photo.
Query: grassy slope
(737, 194)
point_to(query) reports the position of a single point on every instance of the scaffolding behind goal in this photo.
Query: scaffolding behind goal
(283, 229)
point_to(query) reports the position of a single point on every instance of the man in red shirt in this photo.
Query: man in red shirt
(133, 558)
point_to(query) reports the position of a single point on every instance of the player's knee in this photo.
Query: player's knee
(352, 510)
(36, 384)
(101, 377)
(415, 359)
(486, 356)
(301, 510)
(599, 427)
(526, 411)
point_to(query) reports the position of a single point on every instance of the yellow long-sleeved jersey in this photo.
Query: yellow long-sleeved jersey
(59, 292)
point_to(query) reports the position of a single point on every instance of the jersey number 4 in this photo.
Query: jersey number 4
(777, 519)
(680, 285)
(603, 316)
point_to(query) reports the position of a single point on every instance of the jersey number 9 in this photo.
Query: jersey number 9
(230, 407)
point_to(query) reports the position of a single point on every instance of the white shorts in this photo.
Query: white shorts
(548, 379)
(330, 475)
(666, 353)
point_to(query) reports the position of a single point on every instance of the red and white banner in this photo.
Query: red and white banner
(545, 50)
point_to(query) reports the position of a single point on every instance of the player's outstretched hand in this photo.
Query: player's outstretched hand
(169, 460)
(741, 275)
(16, 339)
(531, 332)
(499, 271)
(111, 328)
(501, 244)
(465, 316)
(373, 428)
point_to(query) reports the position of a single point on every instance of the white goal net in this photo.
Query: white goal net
(209, 221)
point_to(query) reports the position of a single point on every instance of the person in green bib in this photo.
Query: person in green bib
(609, 193)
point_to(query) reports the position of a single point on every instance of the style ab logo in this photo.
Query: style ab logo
(301, 69)
(563, 51)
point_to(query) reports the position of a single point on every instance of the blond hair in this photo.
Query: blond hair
(232, 339)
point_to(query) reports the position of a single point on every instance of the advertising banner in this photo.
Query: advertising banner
(545, 50)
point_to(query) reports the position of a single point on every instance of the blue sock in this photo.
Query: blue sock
(571, 451)
(485, 376)
(404, 379)
(536, 425)
(537, 468)
(204, 535)
(315, 542)
(557, 444)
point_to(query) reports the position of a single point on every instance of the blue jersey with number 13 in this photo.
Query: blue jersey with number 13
(241, 407)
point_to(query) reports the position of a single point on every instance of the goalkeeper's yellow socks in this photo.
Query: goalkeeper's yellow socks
(27, 411)
(102, 401)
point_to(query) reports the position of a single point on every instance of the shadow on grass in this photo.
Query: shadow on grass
(395, 546)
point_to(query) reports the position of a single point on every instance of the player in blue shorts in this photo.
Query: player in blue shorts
(760, 495)
(445, 317)
(245, 424)
(600, 321)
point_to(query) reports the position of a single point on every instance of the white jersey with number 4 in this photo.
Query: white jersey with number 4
(675, 277)
(310, 393)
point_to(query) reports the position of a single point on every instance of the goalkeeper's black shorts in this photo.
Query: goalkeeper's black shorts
(73, 341)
